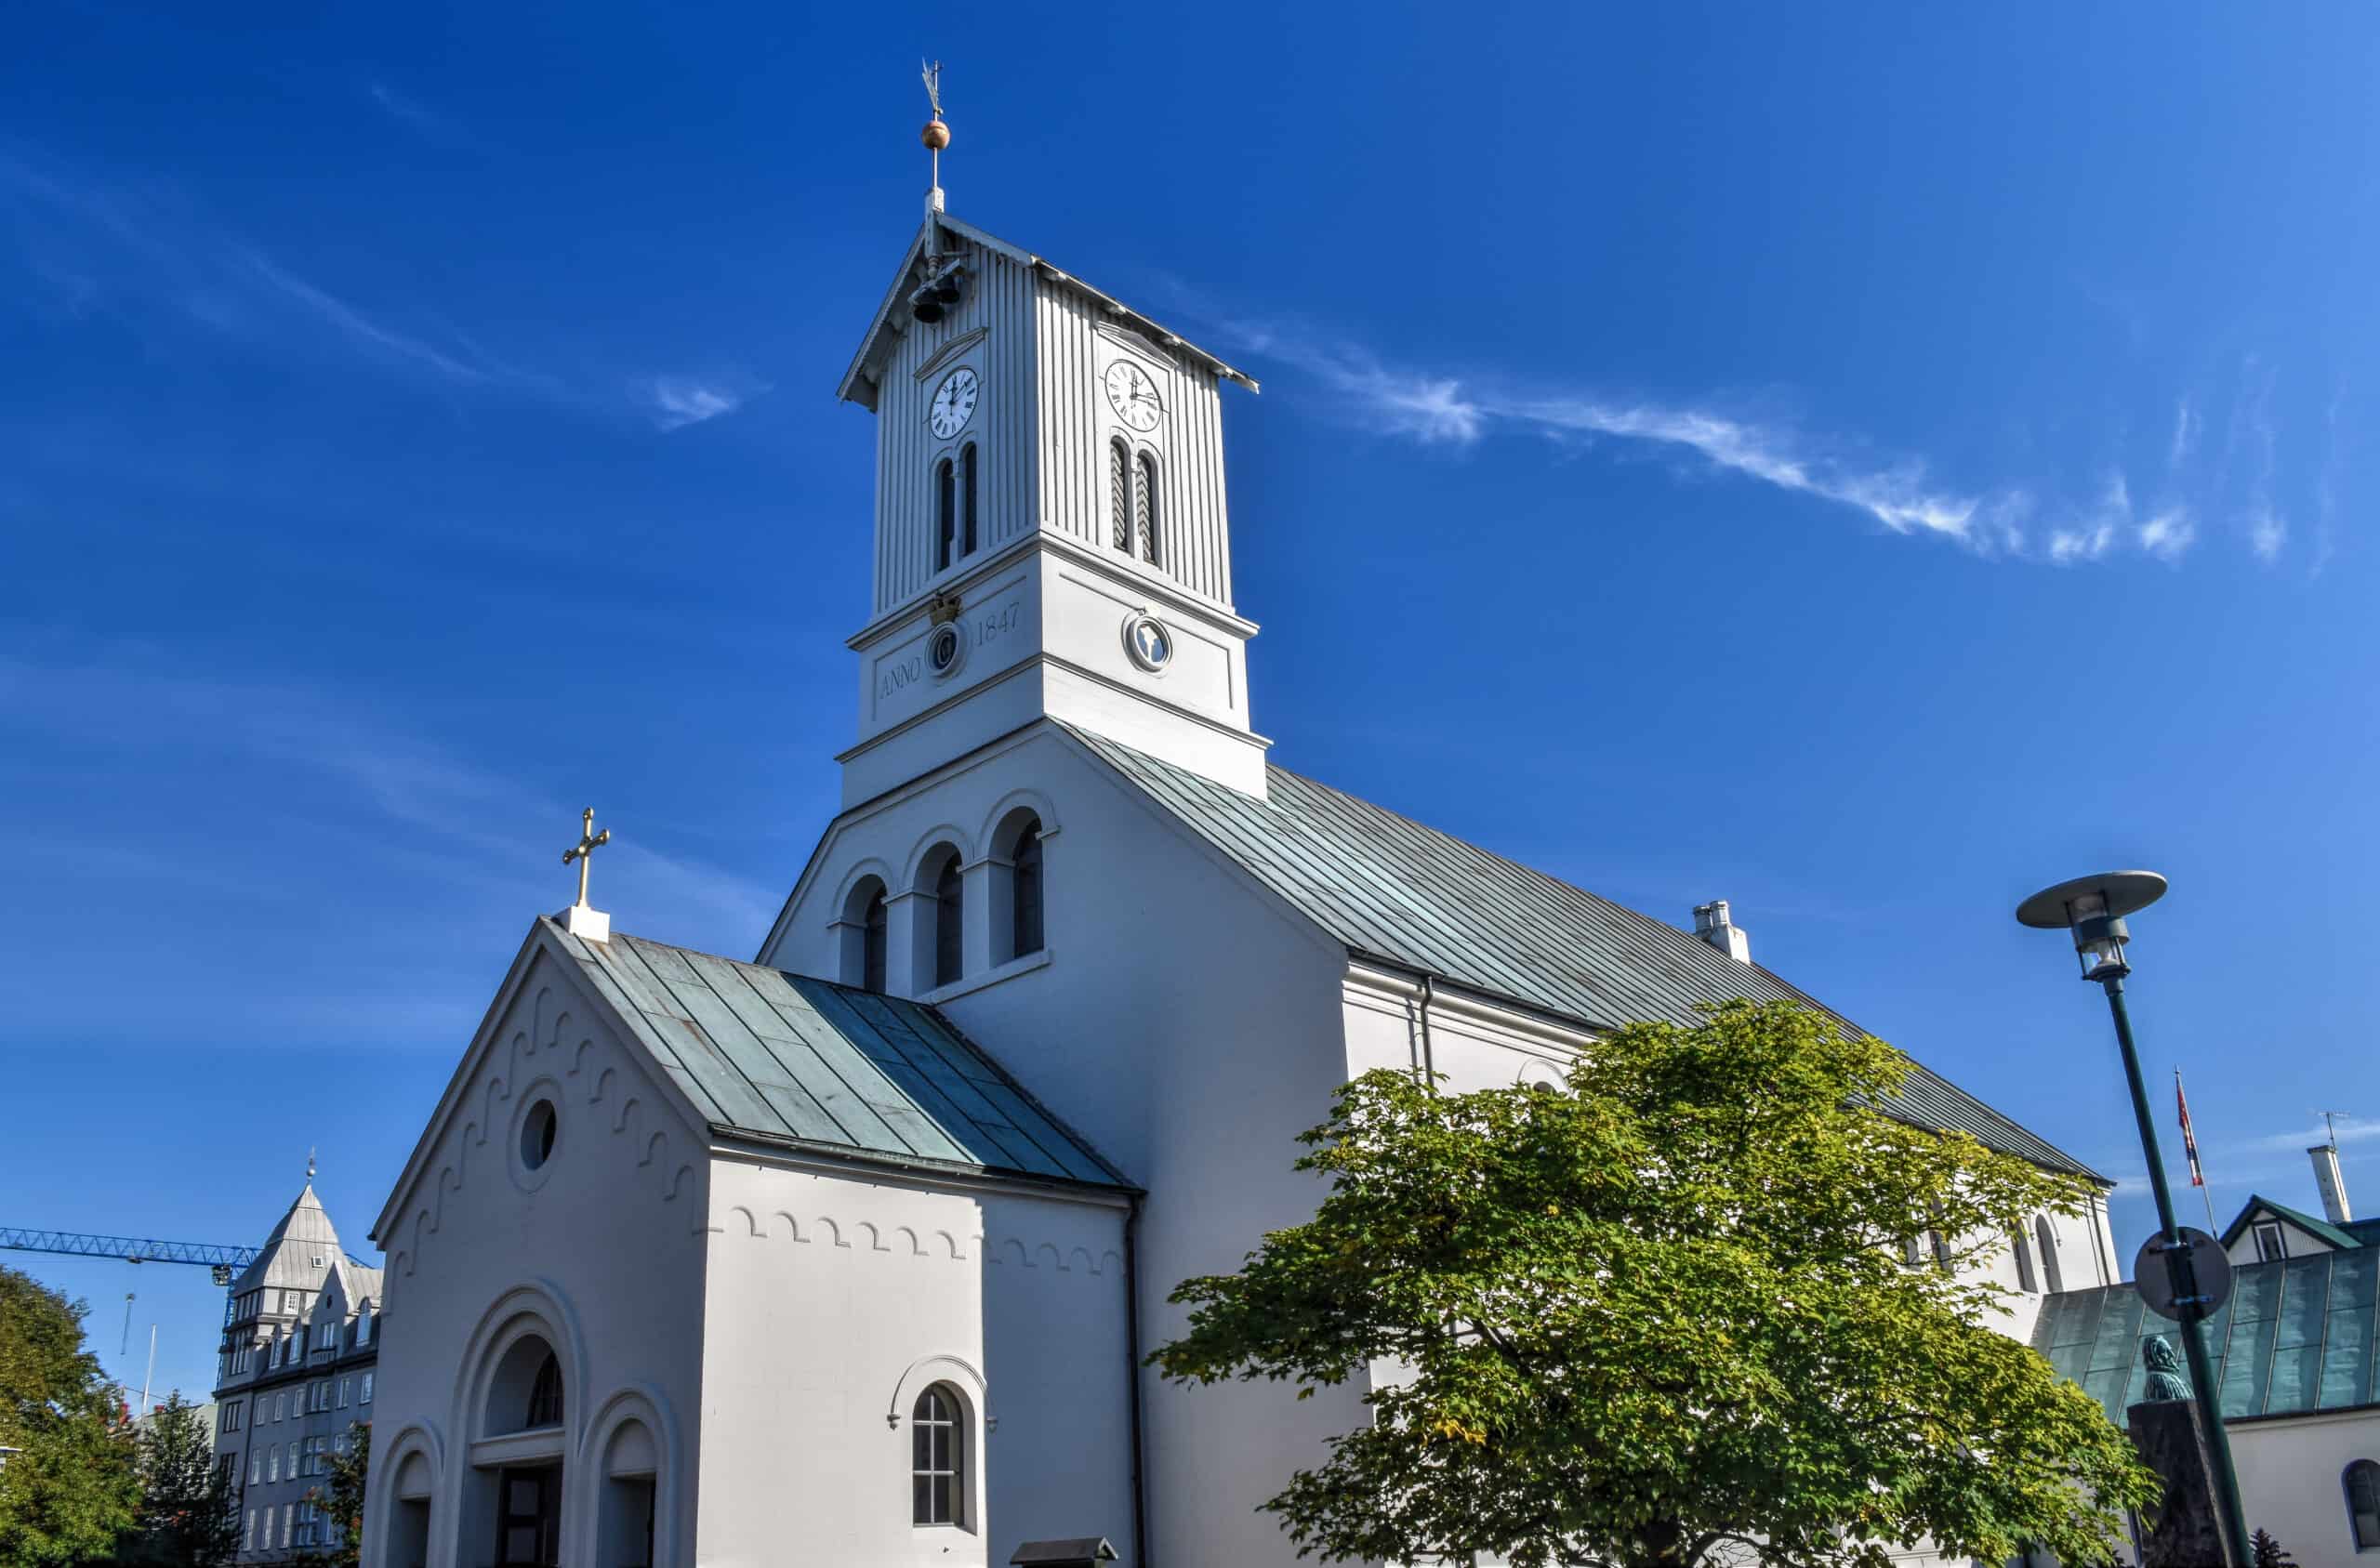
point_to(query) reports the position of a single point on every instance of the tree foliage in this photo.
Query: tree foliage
(189, 1504)
(341, 1504)
(1662, 1317)
(70, 1487)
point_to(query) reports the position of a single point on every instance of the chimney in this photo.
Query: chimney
(2326, 1176)
(1712, 925)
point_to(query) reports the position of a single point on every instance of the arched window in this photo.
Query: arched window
(2047, 1240)
(2027, 1280)
(967, 499)
(946, 514)
(937, 1454)
(1120, 493)
(949, 922)
(1145, 507)
(2362, 1482)
(1024, 891)
(871, 943)
(544, 1395)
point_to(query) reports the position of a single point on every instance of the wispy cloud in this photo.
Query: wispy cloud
(2186, 430)
(418, 117)
(1439, 409)
(109, 245)
(676, 401)
(2254, 440)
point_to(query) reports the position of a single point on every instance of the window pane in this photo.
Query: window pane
(941, 1448)
(921, 1501)
(920, 1446)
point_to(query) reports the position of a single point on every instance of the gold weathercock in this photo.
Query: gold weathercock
(584, 851)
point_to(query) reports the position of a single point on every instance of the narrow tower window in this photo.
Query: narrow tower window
(949, 944)
(967, 497)
(1146, 507)
(2362, 1482)
(1120, 493)
(946, 513)
(871, 944)
(544, 1395)
(1024, 890)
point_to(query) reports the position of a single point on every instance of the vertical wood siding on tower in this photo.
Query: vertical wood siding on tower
(999, 297)
(1075, 425)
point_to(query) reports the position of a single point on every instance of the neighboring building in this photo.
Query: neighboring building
(850, 1254)
(300, 1356)
(2293, 1356)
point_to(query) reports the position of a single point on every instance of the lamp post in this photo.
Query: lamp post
(2093, 908)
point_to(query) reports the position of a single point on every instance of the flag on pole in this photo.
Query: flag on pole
(2189, 1138)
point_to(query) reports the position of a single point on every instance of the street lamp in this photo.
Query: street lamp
(2093, 908)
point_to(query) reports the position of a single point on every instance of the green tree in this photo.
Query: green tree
(69, 1486)
(341, 1504)
(1663, 1317)
(189, 1504)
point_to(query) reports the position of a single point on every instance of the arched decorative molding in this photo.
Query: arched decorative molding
(1023, 1259)
(1057, 1259)
(629, 1110)
(1090, 1264)
(751, 1220)
(792, 1227)
(646, 1406)
(1537, 1072)
(915, 1250)
(420, 1440)
(834, 1232)
(537, 1308)
(579, 1052)
(951, 1243)
(657, 1149)
(997, 836)
(873, 865)
(875, 1237)
(946, 836)
(1110, 1257)
(957, 1372)
(678, 1180)
(602, 1086)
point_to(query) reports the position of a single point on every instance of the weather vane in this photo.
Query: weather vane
(936, 136)
(588, 842)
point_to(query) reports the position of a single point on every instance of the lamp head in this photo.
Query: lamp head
(2093, 908)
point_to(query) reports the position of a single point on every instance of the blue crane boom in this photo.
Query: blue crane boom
(224, 1260)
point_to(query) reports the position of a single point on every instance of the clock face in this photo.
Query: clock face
(1133, 396)
(954, 404)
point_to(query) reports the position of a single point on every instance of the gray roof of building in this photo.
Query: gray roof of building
(2333, 1234)
(290, 1255)
(1391, 889)
(832, 1068)
(2295, 1335)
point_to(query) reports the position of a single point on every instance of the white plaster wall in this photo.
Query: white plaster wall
(1185, 1025)
(2290, 1481)
(836, 1298)
(610, 1235)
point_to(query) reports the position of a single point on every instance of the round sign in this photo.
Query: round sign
(2153, 1276)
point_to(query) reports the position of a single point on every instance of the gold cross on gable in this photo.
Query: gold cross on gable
(588, 842)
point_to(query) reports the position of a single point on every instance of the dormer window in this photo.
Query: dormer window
(2272, 1244)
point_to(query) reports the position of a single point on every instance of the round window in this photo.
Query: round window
(537, 1131)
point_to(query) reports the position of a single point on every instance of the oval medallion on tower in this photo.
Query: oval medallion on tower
(1148, 641)
(946, 649)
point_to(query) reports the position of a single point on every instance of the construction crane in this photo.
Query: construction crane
(225, 1261)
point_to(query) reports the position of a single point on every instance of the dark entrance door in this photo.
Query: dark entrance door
(528, 1518)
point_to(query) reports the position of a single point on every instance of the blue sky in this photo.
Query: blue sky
(1862, 465)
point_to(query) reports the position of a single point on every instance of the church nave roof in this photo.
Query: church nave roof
(812, 1063)
(1392, 889)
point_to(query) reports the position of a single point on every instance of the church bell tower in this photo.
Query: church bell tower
(1051, 530)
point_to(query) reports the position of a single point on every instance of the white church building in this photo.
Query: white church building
(849, 1254)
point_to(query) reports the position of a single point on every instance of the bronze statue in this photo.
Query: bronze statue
(2165, 1379)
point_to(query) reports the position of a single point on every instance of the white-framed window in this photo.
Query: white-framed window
(272, 1463)
(231, 1416)
(2047, 1240)
(280, 1406)
(2272, 1244)
(937, 1458)
(293, 1461)
(364, 1396)
(2026, 1281)
(346, 1385)
(288, 1512)
(251, 1537)
(256, 1473)
(2362, 1480)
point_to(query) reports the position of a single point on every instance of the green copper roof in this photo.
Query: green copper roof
(812, 1064)
(2296, 1335)
(2306, 1222)
(1418, 899)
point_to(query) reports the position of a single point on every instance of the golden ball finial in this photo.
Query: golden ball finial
(936, 136)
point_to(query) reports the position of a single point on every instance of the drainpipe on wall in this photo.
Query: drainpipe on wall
(1132, 1377)
(1429, 1057)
